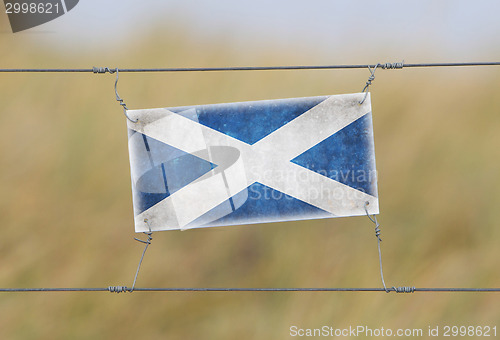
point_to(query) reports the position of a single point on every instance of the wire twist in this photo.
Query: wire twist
(120, 100)
(392, 66)
(368, 82)
(371, 78)
(374, 220)
(404, 289)
(117, 289)
(379, 239)
(102, 70)
(147, 243)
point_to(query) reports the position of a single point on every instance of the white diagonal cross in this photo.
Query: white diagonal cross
(267, 162)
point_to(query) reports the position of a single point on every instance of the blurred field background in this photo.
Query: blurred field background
(66, 209)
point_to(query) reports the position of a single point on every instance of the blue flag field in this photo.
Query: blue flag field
(252, 162)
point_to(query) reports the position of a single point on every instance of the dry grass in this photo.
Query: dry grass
(65, 205)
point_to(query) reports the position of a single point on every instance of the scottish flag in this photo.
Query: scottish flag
(252, 162)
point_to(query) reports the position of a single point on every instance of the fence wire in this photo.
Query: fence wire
(122, 289)
(397, 65)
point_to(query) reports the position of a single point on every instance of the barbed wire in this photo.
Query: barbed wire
(398, 65)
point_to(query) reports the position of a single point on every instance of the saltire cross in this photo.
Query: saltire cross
(252, 162)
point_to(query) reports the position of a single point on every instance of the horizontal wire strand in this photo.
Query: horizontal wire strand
(125, 289)
(248, 68)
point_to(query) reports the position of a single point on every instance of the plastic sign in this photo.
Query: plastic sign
(252, 162)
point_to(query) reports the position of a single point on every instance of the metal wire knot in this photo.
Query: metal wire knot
(103, 70)
(404, 289)
(392, 66)
(374, 220)
(368, 82)
(147, 243)
(385, 66)
(377, 235)
(118, 289)
(120, 100)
